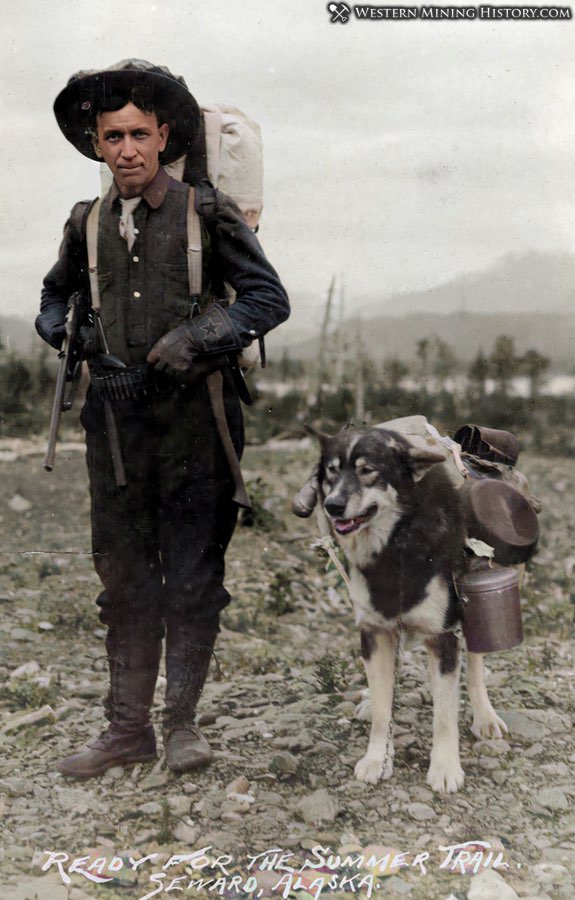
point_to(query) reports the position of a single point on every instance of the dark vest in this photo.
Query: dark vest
(144, 292)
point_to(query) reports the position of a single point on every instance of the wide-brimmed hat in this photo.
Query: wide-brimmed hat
(78, 104)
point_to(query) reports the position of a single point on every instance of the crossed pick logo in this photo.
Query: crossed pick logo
(339, 12)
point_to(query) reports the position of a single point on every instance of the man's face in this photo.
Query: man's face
(130, 140)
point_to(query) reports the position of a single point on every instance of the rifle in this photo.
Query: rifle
(69, 369)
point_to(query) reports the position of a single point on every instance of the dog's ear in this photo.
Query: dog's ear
(320, 436)
(423, 458)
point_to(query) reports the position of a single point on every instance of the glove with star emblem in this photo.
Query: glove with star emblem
(210, 333)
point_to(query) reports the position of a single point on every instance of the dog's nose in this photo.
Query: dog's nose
(335, 506)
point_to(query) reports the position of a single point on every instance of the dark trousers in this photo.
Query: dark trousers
(159, 542)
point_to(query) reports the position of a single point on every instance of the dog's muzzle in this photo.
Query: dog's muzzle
(335, 508)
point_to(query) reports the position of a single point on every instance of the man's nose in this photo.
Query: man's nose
(128, 148)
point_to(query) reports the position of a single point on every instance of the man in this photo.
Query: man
(159, 539)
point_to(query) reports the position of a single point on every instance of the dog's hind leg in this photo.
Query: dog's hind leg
(445, 773)
(486, 722)
(378, 649)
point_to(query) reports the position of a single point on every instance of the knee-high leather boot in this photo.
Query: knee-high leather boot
(133, 661)
(189, 649)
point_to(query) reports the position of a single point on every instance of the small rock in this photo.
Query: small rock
(153, 808)
(230, 815)
(189, 788)
(67, 709)
(552, 798)
(153, 781)
(536, 723)
(39, 889)
(243, 799)
(24, 634)
(318, 807)
(185, 833)
(144, 837)
(420, 812)
(489, 885)
(16, 786)
(26, 669)
(45, 626)
(397, 887)
(550, 873)
(488, 762)
(534, 750)
(114, 773)
(19, 504)
(42, 716)
(239, 785)
(499, 777)
(236, 807)
(492, 748)
(284, 763)
(179, 804)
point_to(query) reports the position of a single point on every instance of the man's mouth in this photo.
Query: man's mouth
(347, 526)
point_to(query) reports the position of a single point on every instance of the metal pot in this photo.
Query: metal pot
(490, 607)
(498, 514)
(488, 443)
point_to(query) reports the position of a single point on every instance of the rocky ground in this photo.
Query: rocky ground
(280, 712)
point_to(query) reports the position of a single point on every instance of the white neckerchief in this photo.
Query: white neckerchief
(127, 220)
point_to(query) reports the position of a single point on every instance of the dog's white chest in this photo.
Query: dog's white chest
(426, 618)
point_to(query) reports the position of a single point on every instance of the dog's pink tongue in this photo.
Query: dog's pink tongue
(344, 526)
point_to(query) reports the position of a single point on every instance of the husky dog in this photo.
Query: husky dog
(396, 514)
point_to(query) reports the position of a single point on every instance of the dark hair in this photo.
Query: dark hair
(141, 95)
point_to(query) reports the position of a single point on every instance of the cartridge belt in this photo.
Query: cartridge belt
(131, 383)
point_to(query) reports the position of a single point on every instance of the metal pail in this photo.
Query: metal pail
(491, 610)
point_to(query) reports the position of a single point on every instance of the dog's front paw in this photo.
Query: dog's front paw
(487, 724)
(445, 778)
(372, 769)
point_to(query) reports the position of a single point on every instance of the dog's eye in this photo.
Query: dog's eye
(366, 470)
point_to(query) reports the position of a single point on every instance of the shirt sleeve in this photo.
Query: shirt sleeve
(70, 272)
(261, 300)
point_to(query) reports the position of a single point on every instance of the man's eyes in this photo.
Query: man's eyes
(114, 136)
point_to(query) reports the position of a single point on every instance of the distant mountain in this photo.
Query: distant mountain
(384, 336)
(518, 283)
(530, 297)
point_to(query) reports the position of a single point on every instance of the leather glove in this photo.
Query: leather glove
(210, 333)
(51, 325)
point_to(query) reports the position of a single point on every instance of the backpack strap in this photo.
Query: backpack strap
(92, 248)
(194, 250)
(205, 194)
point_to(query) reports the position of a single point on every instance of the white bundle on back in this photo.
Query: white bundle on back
(235, 158)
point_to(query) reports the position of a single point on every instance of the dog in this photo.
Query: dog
(396, 515)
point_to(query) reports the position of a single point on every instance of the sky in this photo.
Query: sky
(398, 154)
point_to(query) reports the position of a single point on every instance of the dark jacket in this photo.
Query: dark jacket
(144, 292)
